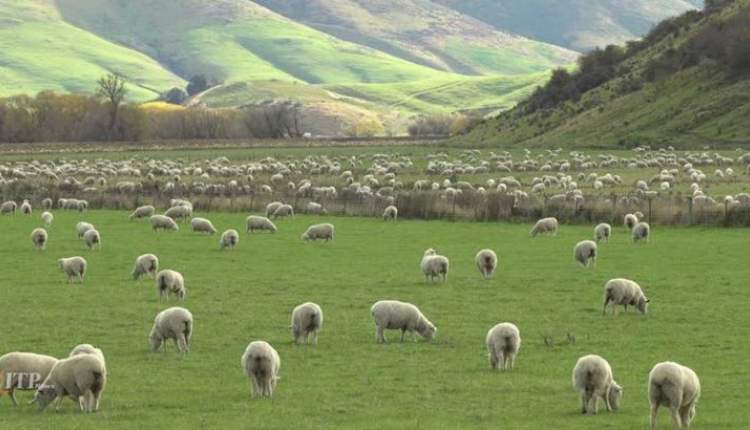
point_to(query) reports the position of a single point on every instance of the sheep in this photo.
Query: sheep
(142, 212)
(602, 232)
(630, 221)
(8, 208)
(503, 342)
(259, 223)
(486, 261)
(624, 292)
(47, 218)
(641, 231)
(676, 387)
(174, 323)
(161, 222)
(82, 227)
(261, 363)
(202, 225)
(390, 213)
(585, 252)
(47, 203)
(86, 348)
(315, 208)
(318, 231)
(395, 315)
(92, 239)
(545, 226)
(179, 212)
(39, 238)
(307, 319)
(434, 266)
(271, 208)
(26, 207)
(73, 267)
(229, 239)
(283, 211)
(170, 281)
(592, 379)
(145, 264)
(83, 377)
(23, 371)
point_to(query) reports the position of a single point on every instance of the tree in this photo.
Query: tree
(175, 96)
(112, 89)
(197, 84)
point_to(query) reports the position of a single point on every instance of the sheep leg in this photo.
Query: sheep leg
(501, 359)
(403, 332)
(181, 343)
(607, 400)
(315, 337)
(604, 309)
(685, 415)
(584, 403)
(512, 360)
(380, 335)
(493, 360)
(654, 411)
(676, 420)
(13, 396)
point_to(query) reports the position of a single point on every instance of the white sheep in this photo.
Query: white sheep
(86, 348)
(8, 208)
(503, 342)
(82, 227)
(26, 207)
(161, 222)
(602, 232)
(676, 387)
(92, 239)
(261, 363)
(593, 380)
(624, 292)
(142, 212)
(283, 211)
(39, 238)
(255, 222)
(82, 377)
(585, 252)
(202, 225)
(630, 221)
(434, 266)
(170, 281)
(23, 371)
(47, 203)
(315, 209)
(179, 212)
(307, 319)
(545, 226)
(47, 218)
(641, 231)
(271, 208)
(486, 261)
(73, 267)
(145, 264)
(229, 239)
(318, 231)
(390, 213)
(395, 315)
(174, 323)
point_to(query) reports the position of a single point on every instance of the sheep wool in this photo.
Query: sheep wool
(36, 366)
(175, 323)
(307, 319)
(82, 377)
(255, 222)
(593, 380)
(261, 364)
(229, 239)
(145, 264)
(503, 342)
(73, 267)
(676, 387)
(39, 238)
(396, 315)
(486, 261)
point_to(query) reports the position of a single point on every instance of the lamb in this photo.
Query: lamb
(307, 319)
(545, 226)
(161, 222)
(261, 363)
(676, 387)
(202, 225)
(271, 208)
(73, 267)
(318, 231)
(259, 223)
(142, 212)
(26, 207)
(390, 213)
(602, 232)
(145, 264)
(630, 221)
(179, 212)
(83, 377)
(395, 315)
(624, 292)
(592, 379)
(47, 218)
(39, 238)
(229, 239)
(503, 342)
(8, 208)
(170, 281)
(174, 323)
(283, 211)
(316, 209)
(82, 227)
(486, 260)
(585, 252)
(92, 239)
(434, 266)
(23, 371)
(641, 231)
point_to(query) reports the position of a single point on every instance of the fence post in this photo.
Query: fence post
(690, 210)
(453, 211)
(726, 213)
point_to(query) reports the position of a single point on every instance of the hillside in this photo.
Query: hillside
(688, 84)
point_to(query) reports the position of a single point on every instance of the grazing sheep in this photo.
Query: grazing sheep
(434, 266)
(179, 212)
(170, 281)
(315, 209)
(261, 363)
(229, 239)
(145, 264)
(161, 222)
(390, 213)
(8, 208)
(83, 377)
(39, 238)
(142, 212)
(26, 207)
(47, 218)
(86, 348)
(307, 319)
(486, 260)
(624, 292)
(641, 231)
(545, 226)
(202, 225)
(602, 232)
(395, 315)
(639, 215)
(73, 267)
(283, 211)
(174, 323)
(259, 223)
(47, 203)
(271, 208)
(82, 227)
(630, 221)
(585, 252)
(676, 387)
(92, 239)
(503, 342)
(23, 371)
(318, 231)
(592, 379)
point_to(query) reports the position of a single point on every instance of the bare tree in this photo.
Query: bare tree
(112, 89)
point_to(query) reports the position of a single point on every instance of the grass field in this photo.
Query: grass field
(695, 279)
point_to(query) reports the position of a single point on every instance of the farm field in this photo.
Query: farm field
(694, 277)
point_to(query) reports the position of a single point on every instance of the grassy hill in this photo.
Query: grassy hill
(687, 85)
